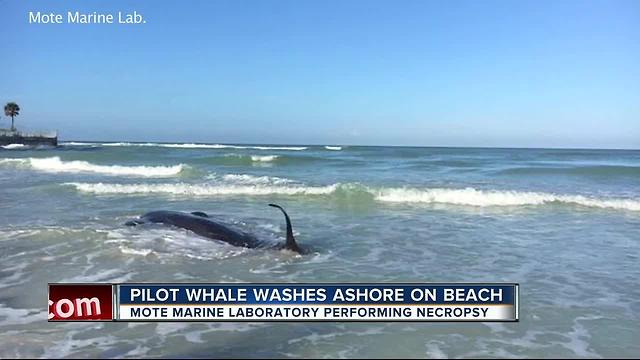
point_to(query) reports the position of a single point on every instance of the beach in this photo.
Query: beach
(563, 223)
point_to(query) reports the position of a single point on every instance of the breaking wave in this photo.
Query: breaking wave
(76, 143)
(221, 146)
(15, 146)
(592, 170)
(235, 159)
(202, 189)
(335, 148)
(189, 146)
(266, 158)
(474, 197)
(256, 186)
(56, 165)
(251, 179)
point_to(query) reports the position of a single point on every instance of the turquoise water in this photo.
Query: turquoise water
(564, 224)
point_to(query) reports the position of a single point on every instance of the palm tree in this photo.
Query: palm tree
(12, 109)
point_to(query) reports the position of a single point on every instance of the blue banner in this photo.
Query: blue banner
(318, 294)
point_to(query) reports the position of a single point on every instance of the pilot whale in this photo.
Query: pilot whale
(201, 224)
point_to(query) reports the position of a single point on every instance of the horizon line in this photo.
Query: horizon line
(356, 145)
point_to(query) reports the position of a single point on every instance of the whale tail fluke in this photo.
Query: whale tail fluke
(291, 241)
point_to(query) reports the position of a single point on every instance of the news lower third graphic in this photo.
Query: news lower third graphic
(284, 302)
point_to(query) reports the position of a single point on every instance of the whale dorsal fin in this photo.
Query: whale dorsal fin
(291, 241)
(200, 213)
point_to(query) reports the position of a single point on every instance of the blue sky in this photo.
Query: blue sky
(433, 73)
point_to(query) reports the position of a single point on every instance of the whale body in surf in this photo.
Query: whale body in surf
(201, 224)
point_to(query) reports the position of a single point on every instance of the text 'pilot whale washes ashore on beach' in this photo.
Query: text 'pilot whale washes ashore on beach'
(201, 224)
(77, 17)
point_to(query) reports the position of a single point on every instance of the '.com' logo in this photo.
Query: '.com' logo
(75, 302)
(65, 308)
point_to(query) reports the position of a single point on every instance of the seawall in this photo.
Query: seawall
(8, 137)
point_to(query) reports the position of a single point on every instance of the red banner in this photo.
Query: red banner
(71, 302)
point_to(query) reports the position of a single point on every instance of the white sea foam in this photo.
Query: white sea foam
(266, 158)
(122, 144)
(253, 158)
(192, 146)
(12, 161)
(335, 148)
(249, 185)
(252, 179)
(130, 251)
(11, 316)
(474, 197)
(221, 146)
(76, 143)
(56, 165)
(202, 189)
(115, 144)
(15, 146)
(167, 244)
(292, 148)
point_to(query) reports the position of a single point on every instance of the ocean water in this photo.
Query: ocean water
(565, 224)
